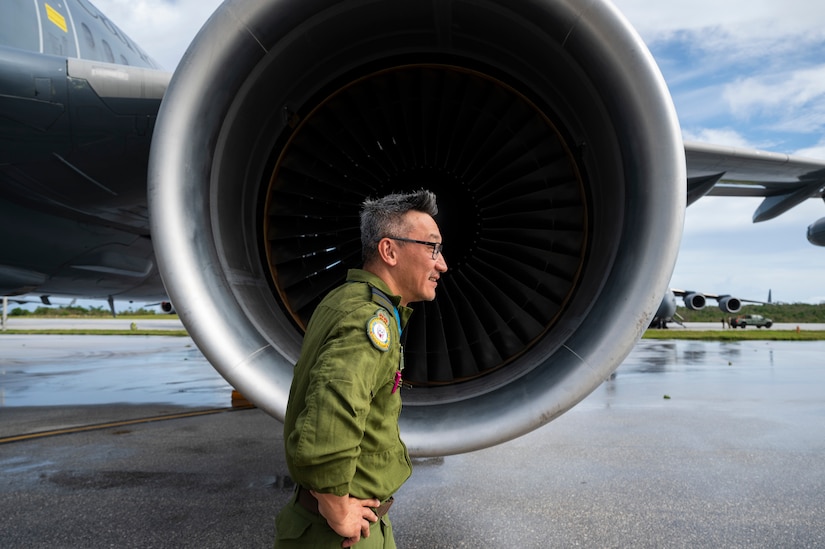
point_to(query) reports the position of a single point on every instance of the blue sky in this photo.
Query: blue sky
(748, 73)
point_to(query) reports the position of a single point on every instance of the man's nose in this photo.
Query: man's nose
(441, 264)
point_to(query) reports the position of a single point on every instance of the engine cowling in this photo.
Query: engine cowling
(695, 301)
(816, 232)
(730, 305)
(545, 129)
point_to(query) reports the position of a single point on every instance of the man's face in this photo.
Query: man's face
(417, 273)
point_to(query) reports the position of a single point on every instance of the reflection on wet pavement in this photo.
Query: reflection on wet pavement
(68, 370)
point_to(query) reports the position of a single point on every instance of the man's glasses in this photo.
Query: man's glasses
(436, 246)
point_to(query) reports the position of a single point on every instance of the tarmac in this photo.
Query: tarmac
(688, 444)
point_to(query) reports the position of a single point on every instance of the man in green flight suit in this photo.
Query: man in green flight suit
(341, 435)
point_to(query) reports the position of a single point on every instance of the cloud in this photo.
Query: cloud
(794, 100)
(750, 73)
(718, 136)
(814, 151)
(749, 23)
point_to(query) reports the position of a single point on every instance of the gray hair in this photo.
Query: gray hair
(381, 217)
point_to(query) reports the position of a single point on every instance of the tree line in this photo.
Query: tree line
(803, 313)
(74, 311)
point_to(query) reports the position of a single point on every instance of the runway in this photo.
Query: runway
(689, 444)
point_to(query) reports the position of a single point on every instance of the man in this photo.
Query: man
(341, 434)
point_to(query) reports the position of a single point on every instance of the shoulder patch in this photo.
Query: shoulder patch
(383, 315)
(378, 330)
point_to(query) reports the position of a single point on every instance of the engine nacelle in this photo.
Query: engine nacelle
(816, 232)
(543, 126)
(730, 305)
(695, 301)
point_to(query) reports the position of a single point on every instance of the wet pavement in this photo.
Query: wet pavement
(61, 370)
(689, 444)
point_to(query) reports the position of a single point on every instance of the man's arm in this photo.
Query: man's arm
(348, 516)
(325, 442)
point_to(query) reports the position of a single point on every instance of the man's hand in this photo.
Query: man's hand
(348, 516)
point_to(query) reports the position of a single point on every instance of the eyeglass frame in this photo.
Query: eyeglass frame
(438, 247)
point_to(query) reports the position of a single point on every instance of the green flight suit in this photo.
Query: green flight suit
(341, 426)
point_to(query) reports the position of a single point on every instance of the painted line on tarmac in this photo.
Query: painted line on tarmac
(111, 424)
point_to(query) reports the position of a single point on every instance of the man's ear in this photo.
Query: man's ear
(388, 251)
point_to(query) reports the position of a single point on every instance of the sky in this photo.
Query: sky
(748, 73)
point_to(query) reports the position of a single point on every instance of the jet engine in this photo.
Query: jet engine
(544, 127)
(695, 301)
(816, 232)
(729, 304)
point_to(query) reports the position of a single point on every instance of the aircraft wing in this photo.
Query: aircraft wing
(785, 181)
(697, 300)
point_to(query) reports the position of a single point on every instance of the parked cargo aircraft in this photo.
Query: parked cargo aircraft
(544, 127)
(695, 301)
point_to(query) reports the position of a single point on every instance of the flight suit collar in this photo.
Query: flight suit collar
(360, 275)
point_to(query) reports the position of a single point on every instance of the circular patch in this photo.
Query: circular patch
(379, 333)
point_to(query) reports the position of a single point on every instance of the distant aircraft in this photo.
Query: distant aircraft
(695, 301)
(544, 127)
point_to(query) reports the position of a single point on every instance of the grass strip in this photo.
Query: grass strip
(675, 333)
(737, 335)
(81, 331)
